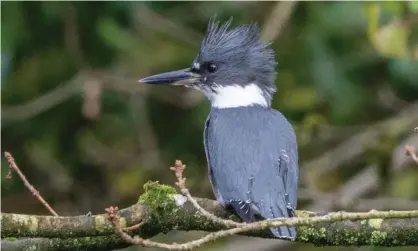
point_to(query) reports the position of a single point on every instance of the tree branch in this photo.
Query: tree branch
(161, 209)
(67, 244)
(13, 165)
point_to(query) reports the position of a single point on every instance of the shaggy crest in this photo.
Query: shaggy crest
(217, 36)
(240, 48)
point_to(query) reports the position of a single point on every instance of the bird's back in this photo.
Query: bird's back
(253, 162)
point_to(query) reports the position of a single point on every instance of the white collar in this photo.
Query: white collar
(236, 95)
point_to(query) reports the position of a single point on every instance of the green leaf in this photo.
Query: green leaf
(392, 40)
(300, 98)
(372, 12)
(53, 11)
(13, 26)
(413, 6)
(116, 36)
(395, 8)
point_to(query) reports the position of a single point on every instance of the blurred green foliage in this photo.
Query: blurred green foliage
(336, 60)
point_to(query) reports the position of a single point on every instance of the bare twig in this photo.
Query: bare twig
(32, 189)
(410, 151)
(181, 184)
(134, 227)
(112, 214)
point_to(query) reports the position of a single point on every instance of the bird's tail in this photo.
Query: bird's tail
(246, 213)
(284, 232)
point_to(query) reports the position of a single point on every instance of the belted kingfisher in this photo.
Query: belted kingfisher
(250, 148)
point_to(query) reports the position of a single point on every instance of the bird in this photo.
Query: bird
(251, 148)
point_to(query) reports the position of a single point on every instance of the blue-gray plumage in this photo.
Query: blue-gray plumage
(251, 148)
(253, 162)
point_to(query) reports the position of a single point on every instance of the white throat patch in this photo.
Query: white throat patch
(236, 96)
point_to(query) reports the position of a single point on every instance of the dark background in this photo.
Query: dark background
(87, 135)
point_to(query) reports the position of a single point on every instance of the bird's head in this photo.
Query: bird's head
(233, 67)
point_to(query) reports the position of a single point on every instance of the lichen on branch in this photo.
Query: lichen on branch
(160, 211)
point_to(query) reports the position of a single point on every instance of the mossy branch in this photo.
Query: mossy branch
(161, 210)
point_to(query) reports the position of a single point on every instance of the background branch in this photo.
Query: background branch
(277, 19)
(42, 103)
(355, 146)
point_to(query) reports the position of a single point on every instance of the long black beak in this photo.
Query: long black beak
(180, 77)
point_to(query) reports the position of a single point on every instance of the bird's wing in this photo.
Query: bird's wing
(253, 159)
(208, 157)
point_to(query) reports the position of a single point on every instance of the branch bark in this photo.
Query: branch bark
(161, 210)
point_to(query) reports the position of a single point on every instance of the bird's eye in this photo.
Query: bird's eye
(211, 68)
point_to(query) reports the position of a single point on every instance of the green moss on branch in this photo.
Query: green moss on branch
(161, 210)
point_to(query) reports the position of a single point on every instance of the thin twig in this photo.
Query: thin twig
(410, 151)
(32, 189)
(112, 214)
(181, 184)
(133, 227)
